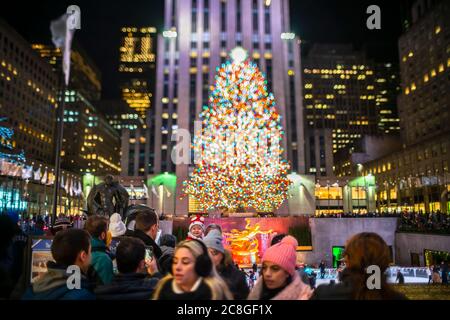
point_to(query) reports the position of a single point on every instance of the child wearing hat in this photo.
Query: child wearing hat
(196, 228)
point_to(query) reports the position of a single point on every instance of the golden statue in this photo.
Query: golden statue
(244, 244)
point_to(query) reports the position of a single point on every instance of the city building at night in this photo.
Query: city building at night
(197, 38)
(28, 95)
(417, 176)
(137, 72)
(90, 143)
(28, 100)
(346, 96)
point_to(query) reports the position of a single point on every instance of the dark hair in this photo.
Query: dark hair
(96, 225)
(145, 220)
(168, 240)
(130, 252)
(277, 238)
(361, 251)
(68, 243)
(213, 226)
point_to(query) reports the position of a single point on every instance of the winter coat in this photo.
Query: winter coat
(149, 242)
(296, 290)
(101, 261)
(53, 286)
(167, 290)
(165, 262)
(234, 278)
(132, 286)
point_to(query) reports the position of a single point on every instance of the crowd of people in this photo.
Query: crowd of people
(131, 260)
(358, 215)
(425, 222)
(409, 221)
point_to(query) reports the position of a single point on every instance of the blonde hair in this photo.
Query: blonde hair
(214, 281)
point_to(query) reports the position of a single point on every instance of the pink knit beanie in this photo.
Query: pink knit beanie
(283, 254)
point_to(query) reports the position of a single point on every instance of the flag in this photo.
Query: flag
(145, 190)
(6, 168)
(45, 177)
(154, 191)
(37, 174)
(133, 192)
(71, 189)
(16, 170)
(51, 179)
(27, 172)
(62, 35)
(79, 189)
(168, 194)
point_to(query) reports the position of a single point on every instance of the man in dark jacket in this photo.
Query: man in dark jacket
(70, 247)
(233, 277)
(444, 269)
(322, 269)
(137, 277)
(146, 229)
(400, 278)
(167, 244)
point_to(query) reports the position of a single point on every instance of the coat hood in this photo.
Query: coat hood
(296, 290)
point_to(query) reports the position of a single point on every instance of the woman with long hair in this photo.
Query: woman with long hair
(362, 251)
(193, 276)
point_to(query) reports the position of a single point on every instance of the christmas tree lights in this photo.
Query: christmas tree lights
(239, 161)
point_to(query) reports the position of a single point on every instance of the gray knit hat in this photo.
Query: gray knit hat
(214, 241)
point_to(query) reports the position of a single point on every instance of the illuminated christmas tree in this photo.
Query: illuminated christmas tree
(238, 155)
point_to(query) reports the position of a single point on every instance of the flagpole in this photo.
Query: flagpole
(59, 140)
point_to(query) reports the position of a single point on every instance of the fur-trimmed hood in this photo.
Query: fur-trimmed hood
(296, 290)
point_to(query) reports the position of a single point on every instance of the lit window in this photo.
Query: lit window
(441, 67)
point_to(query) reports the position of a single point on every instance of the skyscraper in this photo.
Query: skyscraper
(198, 36)
(28, 90)
(347, 96)
(90, 143)
(137, 70)
(417, 177)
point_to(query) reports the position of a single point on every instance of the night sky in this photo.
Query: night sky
(314, 20)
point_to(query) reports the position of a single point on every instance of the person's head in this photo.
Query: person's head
(116, 226)
(168, 240)
(213, 242)
(72, 247)
(130, 256)
(361, 251)
(277, 238)
(97, 226)
(109, 179)
(213, 226)
(147, 222)
(278, 263)
(61, 223)
(190, 261)
(366, 249)
(197, 226)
